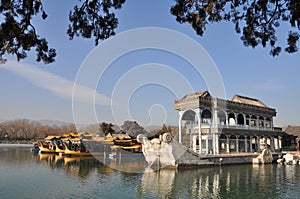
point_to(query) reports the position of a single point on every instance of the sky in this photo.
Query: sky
(136, 76)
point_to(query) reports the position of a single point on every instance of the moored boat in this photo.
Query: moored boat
(59, 148)
(128, 145)
(76, 151)
(137, 148)
(46, 147)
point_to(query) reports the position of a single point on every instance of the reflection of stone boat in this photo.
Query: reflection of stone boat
(165, 151)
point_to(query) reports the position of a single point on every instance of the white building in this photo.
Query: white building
(241, 124)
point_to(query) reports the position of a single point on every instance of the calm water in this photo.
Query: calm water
(27, 175)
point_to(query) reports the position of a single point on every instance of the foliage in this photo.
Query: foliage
(257, 21)
(17, 33)
(106, 128)
(94, 18)
(23, 129)
(133, 129)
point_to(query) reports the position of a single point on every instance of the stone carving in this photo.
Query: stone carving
(162, 151)
(265, 157)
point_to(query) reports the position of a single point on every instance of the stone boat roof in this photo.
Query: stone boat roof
(238, 103)
(196, 95)
(248, 100)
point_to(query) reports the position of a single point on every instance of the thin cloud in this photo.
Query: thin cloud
(268, 85)
(55, 84)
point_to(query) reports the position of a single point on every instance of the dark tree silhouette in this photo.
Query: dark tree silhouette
(18, 35)
(106, 128)
(93, 18)
(256, 20)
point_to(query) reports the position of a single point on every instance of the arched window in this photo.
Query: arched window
(206, 116)
(240, 119)
(268, 123)
(253, 121)
(189, 115)
(221, 118)
(231, 119)
(247, 120)
(261, 122)
(189, 119)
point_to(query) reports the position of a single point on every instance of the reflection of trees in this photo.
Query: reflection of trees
(15, 156)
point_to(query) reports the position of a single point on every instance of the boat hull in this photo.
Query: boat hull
(166, 152)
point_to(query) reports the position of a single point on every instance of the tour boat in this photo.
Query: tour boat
(46, 147)
(76, 151)
(128, 145)
(59, 148)
(137, 148)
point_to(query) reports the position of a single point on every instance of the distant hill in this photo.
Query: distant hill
(53, 122)
(44, 122)
(153, 127)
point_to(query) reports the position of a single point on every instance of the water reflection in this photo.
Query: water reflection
(82, 166)
(240, 181)
(54, 176)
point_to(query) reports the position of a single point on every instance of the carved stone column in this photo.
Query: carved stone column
(179, 126)
(246, 144)
(217, 144)
(250, 144)
(237, 144)
(227, 144)
(272, 144)
(258, 144)
(195, 143)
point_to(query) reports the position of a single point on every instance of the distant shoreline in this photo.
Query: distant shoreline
(16, 142)
(15, 145)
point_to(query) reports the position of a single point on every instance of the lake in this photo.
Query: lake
(24, 174)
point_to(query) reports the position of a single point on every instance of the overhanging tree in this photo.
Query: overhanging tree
(257, 21)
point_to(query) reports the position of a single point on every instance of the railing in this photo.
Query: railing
(206, 126)
(243, 127)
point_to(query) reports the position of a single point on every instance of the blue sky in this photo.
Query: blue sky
(37, 91)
